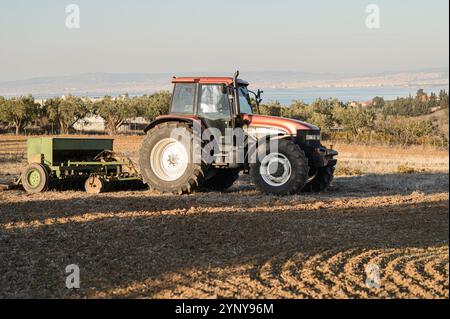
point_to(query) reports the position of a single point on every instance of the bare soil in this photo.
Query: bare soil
(240, 243)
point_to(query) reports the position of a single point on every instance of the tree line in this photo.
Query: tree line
(387, 122)
(421, 104)
(63, 113)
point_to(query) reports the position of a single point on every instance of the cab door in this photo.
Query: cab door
(214, 108)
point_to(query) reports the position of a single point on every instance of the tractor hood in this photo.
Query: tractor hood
(290, 126)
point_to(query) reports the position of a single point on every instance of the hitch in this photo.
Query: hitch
(14, 184)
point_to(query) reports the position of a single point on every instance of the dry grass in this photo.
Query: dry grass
(403, 169)
(236, 244)
(382, 159)
(343, 170)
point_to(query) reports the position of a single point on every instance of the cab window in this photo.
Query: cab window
(244, 103)
(183, 98)
(214, 102)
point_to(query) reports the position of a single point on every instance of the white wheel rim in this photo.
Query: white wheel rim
(169, 159)
(275, 169)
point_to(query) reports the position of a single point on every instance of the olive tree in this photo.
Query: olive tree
(354, 120)
(154, 105)
(65, 112)
(322, 113)
(115, 112)
(19, 112)
(273, 108)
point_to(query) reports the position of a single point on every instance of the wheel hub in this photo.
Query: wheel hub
(173, 160)
(169, 159)
(275, 169)
(94, 185)
(34, 178)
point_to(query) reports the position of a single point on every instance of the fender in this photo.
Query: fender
(289, 126)
(172, 118)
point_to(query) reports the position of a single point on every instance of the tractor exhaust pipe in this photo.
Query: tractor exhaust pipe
(236, 99)
(235, 77)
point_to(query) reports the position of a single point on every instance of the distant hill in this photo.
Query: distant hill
(93, 84)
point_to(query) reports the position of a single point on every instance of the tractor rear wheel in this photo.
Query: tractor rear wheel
(320, 181)
(281, 172)
(35, 178)
(221, 179)
(166, 159)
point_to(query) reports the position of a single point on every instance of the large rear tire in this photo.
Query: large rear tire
(281, 172)
(221, 180)
(320, 181)
(166, 159)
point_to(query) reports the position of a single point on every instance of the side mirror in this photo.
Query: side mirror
(224, 89)
(258, 96)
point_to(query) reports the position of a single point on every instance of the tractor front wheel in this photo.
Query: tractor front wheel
(35, 178)
(281, 172)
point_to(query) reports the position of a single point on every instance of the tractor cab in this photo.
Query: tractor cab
(214, 100)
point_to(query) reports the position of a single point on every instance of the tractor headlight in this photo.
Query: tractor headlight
(312, 137)
(308, 138)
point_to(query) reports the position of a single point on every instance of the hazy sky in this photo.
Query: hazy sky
(208, 35)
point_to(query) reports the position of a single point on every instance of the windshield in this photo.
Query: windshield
(244, 101)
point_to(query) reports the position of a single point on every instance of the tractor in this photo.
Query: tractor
(295, 160)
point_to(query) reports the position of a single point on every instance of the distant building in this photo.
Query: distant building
(367, 103)
(90, 124)
(357, 104)
(133, 124)
(40, 101)
(424, 97)
(435, 109)
(96, 123)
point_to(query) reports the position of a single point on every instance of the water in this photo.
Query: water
(307, 95)
(286, 96)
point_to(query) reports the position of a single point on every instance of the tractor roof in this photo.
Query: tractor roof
(209, 79)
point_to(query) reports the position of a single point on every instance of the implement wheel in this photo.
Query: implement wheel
(35, 178)
(94, 185)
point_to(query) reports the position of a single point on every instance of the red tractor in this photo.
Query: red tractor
(294, 161)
